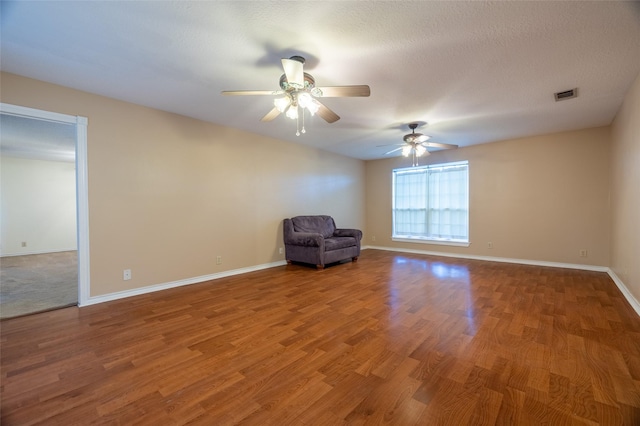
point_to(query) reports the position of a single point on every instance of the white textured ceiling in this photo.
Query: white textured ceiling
(476, 72)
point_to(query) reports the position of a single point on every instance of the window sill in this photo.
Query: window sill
(432, 241)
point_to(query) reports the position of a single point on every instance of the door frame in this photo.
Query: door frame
(82, 187)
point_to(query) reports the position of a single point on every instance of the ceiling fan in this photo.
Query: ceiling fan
(416, 144)
(298, 91)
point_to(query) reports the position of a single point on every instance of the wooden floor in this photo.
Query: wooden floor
(394, 338)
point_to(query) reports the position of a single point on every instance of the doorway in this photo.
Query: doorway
(44, 217)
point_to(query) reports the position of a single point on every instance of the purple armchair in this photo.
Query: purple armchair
(316, 240)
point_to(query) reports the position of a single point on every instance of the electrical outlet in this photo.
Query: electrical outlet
(490, 245)
(126, 275)
(280, 250)
(583, 253)
(24, 244)
(218, 260)
(373, 238)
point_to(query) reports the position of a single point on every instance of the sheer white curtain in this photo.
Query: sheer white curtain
(432, 202)
(410, 207)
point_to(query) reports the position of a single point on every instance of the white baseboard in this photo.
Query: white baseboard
(188, 281)
(29, 253)
(498, 259)
(623, 288)
(625, 291)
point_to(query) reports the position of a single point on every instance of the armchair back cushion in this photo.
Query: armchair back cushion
(323, 225)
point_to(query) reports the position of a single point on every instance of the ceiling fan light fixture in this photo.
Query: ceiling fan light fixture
(420, 150)
(313, 107)
(282, 103)
(292, 112)
(406, 150)
(304, 99)
(316, 91)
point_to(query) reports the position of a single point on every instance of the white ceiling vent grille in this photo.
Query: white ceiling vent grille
(567, 94)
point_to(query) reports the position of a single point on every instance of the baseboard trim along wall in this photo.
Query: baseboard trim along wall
(29, 253)
(625, 291)
(496, 259)
(179, 283)
(158, 287)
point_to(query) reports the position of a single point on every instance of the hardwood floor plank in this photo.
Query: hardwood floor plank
(392, 339)
(386, 404)
(487, 408)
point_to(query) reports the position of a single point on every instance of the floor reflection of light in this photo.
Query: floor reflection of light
(455, 274)
(443, 270)
(420, 263)
(460, 275)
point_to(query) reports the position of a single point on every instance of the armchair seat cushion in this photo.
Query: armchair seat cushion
(335, 243)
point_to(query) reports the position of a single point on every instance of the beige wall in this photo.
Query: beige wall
(167, 194)
(625, 193)
(541, 198)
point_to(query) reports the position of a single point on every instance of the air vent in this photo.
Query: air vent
(567, 94)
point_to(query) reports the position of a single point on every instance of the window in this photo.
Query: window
(431, 203)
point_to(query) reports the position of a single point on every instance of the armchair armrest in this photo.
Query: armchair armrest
(307, 239)
(356, 233)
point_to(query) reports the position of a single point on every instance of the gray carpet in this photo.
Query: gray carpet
(38, 282)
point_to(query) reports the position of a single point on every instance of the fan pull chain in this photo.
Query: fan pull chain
(298, 125)
(303, 129)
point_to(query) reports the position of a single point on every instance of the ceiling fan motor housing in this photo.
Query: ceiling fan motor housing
(415, 138)
(309, 83)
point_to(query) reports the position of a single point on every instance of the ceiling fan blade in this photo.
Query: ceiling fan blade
(326, 114)
(294, 73)
(271, 115)
(439, 145)
(345, 91)
(250, 92)
(393, 150)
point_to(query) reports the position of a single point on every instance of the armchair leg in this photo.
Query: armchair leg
(354, 259)
(320, 266)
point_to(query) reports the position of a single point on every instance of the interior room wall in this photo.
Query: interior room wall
(38, 206)
(625, 193)
(169, 194)
(540, 199)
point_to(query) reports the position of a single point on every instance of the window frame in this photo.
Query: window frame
(425, 239)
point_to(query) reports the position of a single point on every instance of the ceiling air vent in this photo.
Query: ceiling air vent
(567, 94)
